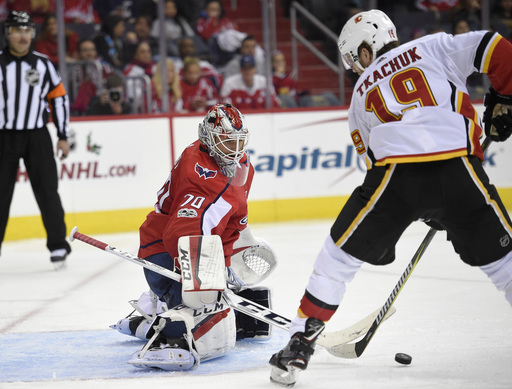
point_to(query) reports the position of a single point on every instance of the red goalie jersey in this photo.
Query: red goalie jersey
(196, 199)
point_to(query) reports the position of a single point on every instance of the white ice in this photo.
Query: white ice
(452, 321)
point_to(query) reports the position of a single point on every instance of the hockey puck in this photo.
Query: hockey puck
(402, 358)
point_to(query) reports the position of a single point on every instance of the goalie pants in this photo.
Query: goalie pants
(455, 193)
(167, 290)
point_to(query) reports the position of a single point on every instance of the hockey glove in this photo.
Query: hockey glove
(433, 224)
(497, 116)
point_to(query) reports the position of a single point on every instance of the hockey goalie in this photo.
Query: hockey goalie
(198, 228)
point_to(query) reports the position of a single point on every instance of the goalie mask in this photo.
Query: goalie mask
(224, 132)
(373, 27)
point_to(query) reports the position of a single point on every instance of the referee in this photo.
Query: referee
(30, 88)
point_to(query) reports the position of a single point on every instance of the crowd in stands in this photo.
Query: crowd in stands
(114, 65)
(415, 18)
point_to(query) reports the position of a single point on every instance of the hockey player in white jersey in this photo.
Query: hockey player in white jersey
(412, 122)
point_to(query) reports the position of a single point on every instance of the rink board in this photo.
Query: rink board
(306, 168)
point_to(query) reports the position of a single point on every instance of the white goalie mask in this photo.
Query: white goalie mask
(224, 132)
(373, 27)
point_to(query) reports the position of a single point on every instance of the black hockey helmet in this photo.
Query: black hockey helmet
(19, 19)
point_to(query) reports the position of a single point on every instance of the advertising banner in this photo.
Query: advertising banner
(113, 165)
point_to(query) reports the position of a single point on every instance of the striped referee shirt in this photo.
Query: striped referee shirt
(30, 86)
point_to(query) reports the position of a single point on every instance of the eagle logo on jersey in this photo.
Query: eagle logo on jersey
(32, 77)
(204, 172)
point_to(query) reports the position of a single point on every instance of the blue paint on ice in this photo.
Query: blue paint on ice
(104, 354)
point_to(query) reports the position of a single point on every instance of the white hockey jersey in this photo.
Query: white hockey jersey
(412, 105)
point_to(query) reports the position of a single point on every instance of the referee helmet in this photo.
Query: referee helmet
(20, 19)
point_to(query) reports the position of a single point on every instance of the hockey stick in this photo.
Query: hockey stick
(239, 303)
(355, 350)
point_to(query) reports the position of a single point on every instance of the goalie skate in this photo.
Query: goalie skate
(164, 357)
(136, 326)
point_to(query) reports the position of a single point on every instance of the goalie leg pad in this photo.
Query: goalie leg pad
(211, 330)
(203, 269)
(249, 327)
(214, 332)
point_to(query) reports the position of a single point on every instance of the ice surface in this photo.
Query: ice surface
(452, 321)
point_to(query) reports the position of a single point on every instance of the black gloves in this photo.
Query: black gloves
(497, 116)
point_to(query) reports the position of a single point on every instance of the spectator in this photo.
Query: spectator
(137, 86)
(286, 88)
(198, 93)
(247, 89)
(173, 87)
(128, 10)
(461, 26)
(80, 11)
(191, 9)
(475, 82)
(110, 43)
(38, 9)
(219, 32)
(284, 84)
(502, 13)
(249, 47)
(3, 10)
(436, 5)
(46, 43)
(112, 100)
(470, 11)
(90, 79)
(141, 63)
(188, 49)
(176, 27)
(141, 33)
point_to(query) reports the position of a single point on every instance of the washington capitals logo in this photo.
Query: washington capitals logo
(203, 172)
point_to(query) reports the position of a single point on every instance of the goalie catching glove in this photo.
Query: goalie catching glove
(497, 116)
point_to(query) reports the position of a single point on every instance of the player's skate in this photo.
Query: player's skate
(287, 363)
(58, 258)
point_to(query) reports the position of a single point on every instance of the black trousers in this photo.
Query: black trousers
(36, 149)
(456, 193)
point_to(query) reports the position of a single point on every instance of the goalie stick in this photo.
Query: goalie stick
(355, 350)
(329, 341)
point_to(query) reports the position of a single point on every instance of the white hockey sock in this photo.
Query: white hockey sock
(298, 324)
(500, 273)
